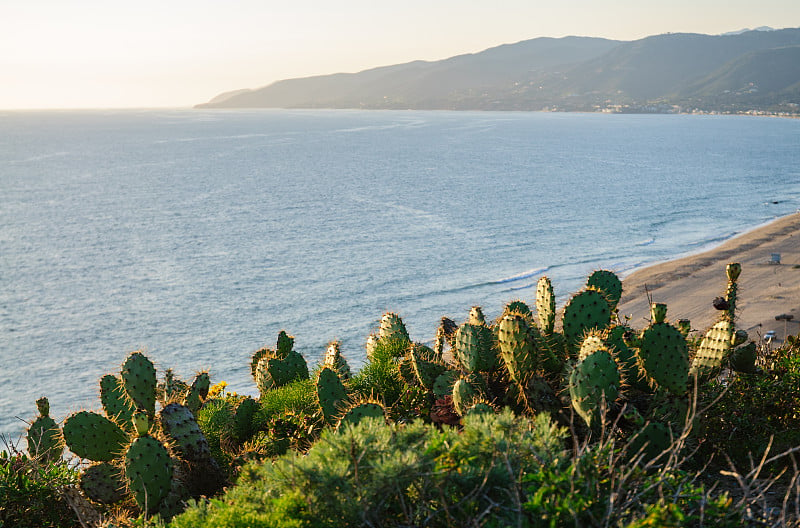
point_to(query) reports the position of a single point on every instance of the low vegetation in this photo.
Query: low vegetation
(505, 423)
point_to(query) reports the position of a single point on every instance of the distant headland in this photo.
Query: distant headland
(751, 71)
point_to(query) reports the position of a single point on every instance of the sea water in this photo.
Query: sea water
(198, 235)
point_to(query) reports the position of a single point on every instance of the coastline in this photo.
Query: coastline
(689, 284)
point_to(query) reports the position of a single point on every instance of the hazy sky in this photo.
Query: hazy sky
(109, 53)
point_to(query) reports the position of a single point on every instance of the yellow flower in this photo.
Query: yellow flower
(217, 389)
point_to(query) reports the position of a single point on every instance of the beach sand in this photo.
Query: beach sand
(690, 284)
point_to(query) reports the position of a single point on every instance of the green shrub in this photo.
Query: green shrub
(374, 474)
(30, 495)
(754, 408)
(380, 376)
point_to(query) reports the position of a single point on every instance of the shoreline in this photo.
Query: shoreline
(689, 283)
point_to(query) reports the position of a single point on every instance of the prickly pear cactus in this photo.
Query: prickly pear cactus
(443, 386)
(276, 369)
(243, 427)
(139, 379)
(664, 354)
(359, 411)
(331, 393)
(44, 435)
(148, 470)
(172, 389)
(426, 372)
(371, 345)
(594, 380)
(585, 311)
(714, 350)
(658, 312)
(516, 348)
(627, 360)
(93, 436)
(392, 328)
(520, 308)
(179, 424)
(336, 361)
(463, 395)
(258, 355)
(284, 345)
(545, 305)
(476, 316)
(439, 342)
(732, 270)
(116, 404)
(475, 348)
(608, 283)
(103, 482)
(198, 392)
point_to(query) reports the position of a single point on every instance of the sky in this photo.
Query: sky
(177, 53)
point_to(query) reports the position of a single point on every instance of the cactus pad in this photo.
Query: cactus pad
(425, 371)
(44, 435)
(593, 380)
(585, 310)
(545, 305)
(516, 347)
(359, 411)
(139, 380)
(607, 282)
(284, 344)
(518, 307)
(336, 361)
(463, 396)
(476, 316)
(178, 422)
(474, 348)
(103, 482)
(664, 355)
(392, 328)
(148, 469)
(743, 358)
(93, 436)
(714, 350)
(330, 393)
(443, 385)
(116, 404)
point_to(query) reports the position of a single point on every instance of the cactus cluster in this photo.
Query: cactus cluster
(272, 368)
(591, 364)
(131, 451)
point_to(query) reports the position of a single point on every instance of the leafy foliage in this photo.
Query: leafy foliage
(30, 492)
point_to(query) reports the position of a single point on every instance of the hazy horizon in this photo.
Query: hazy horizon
(97, 55)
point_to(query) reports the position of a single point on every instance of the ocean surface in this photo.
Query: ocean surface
(197, 235)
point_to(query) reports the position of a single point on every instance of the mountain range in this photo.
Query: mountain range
(746, 71)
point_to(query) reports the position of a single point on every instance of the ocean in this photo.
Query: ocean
(196, 235)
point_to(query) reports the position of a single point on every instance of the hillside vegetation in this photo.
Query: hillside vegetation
(671, 72)
(515, 422)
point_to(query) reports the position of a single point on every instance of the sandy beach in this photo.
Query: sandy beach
(689, 285)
